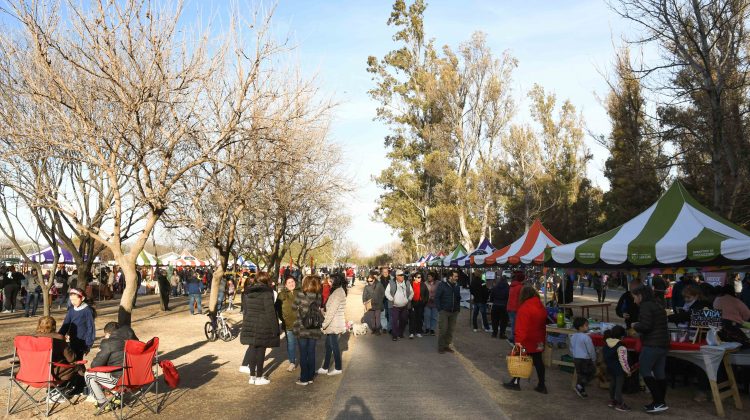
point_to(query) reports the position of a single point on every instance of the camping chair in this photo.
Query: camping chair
(140, 372)
(35, 371)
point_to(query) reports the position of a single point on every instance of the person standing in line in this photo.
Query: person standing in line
(616, 358)
(499, 299)
(584, 355)
(78, 324)
(531, 333)
(513, 294)
(430, 309)
(307, 305)
(448, 302)
(260, 327)
(418, 302)
(652, 326)
(334, 324)
(481, 294)
(35, 294)
(194, 291)
(375, 293)
(289, 317)
(399, 294)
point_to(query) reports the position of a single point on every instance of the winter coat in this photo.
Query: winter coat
(334, 321)
(260, 327)
(652, 325)
(301, 305)
(513, 294)
(112, 349)
(61, 353)
(479, 290)
(448, 297)
(288, 314)
(531, 325)
(376, 292)
(684, 316)
(390, 292)
(79, 326)
(499, 293)
(194, 286)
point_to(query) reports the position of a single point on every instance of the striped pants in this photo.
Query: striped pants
(96, 380)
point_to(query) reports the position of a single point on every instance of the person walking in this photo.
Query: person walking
(448, 302)
(78, 325)
(194, 289)
(418, 302)
(385, 280)
(652, 326)
(499, 298)
(260, 327)
(334, 324)
(307, 305)
(399, 294)
(11, 287)
(289, 317)
(373, 293)
(530, 334)
(514, 293)
(481, 294)
(430, 309)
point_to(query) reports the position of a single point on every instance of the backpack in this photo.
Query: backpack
(171, 376)
(312, 319)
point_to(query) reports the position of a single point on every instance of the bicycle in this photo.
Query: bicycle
(218, 328)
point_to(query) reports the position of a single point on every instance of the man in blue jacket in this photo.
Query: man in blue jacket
(194, 288)
(499, 298)
(448, 303)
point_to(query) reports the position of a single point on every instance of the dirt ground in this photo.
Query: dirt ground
(211, 385)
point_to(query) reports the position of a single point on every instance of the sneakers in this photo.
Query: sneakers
(104, 407)
(656, 408)
(54, 396)
(475, 330)
(411, 336)
(581, 391)
(394, 339)
(244, 369)
(489, 330)
(322, 371)
(541, 389)
(303, 383)
(291, 367)
(622, 407)
(334, 372)
(512, 386)
(262, 381)
(612, 404)
(419, 335)
(252, 380)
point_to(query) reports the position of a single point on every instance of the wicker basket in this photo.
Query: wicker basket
(519, 363)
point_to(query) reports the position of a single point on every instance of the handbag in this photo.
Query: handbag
(519, 363)
(368, 304)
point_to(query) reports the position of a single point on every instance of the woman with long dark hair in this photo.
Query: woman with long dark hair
(260, 326)
(334, 324)
(307, 305)
(530, 334)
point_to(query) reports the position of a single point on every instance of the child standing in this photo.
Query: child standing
(584, 355)
(616, 359)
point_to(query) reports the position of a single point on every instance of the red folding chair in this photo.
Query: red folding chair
(35, 367)
(140, 373)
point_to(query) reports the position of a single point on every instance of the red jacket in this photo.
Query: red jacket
(515, 290)
(531, 325)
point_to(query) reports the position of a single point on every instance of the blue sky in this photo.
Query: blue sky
(562, 45)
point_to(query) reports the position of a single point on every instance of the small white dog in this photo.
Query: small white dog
(360, 329)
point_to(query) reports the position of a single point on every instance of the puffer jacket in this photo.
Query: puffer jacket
(652, 325)
(448, 297)
(334, 322)
(112, 349)
(289, 315)
(499, 293)
(479, 290)
(513, 294)
(376, 292)
(531, 325)
(260, 327)
(301, 305)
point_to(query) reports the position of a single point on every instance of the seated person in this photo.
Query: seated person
(111, 353)
(61, 351)
(732, 309)
(694, 301)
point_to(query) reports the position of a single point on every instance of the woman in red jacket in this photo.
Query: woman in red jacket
(515, 292)
(531, 331)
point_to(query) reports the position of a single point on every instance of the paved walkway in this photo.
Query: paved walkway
(407, 379)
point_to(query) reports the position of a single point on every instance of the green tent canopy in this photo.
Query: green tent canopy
(676, 230)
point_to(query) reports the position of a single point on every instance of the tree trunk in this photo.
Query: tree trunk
(46, 303)
(213, 298)
(127, 266)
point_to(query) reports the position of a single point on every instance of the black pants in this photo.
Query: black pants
(254, 357)
(164, 289)
(539, 366)
(601, 294)
(416, 318)
(499, 317)
(11, 294)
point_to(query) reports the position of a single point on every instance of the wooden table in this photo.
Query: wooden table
(586, 307)
(547, 355)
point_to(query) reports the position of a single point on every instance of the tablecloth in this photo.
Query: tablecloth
(707, 358)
